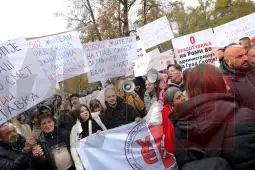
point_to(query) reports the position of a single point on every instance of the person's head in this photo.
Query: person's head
(8, 133)
(173, 96)
(175, 73)
(245, 42)
(251, 55)
(236, 57)
(46, 122)
(44, 109)
(203, 79)
(58, 99)
(110, 96)
(220, 53)
(74, 99)
(95, 106)
(83, 114)
(150, 87)
(67, 105)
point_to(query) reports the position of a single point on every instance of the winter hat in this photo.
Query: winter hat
(170, 93)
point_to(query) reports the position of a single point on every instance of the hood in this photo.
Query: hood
(180, 86)
(203, 114)
(227, 70)
(119, 101)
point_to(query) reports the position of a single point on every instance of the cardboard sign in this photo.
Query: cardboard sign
(156, 32)
(60, 56)
(23, 84)
(140, 49)
(110, 58)
(234, 30)
(196, 48)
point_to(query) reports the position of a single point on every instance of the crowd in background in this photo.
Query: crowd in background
(208, 117)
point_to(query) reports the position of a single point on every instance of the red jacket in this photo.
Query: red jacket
(168, 129)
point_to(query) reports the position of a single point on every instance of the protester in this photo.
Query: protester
(57, 103)
(66, 117)
(239, 76)
(172, 97)
(117, 112)
(220, 54)
(211, 125)
(140, 86)
(85, 126)
(149, 96)
(175, 76)
(95, 106)
(15, 151)
(251, 55)
(23, 129)
(74, 100)
(246, 43)
(55, 143)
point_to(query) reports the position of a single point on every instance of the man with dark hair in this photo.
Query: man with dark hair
(55, 143)
(246, 43)
(74, 100)
(175, 76)
(220, 54)
(239, 75)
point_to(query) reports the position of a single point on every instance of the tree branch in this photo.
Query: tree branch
(132, 3)
(122, 2)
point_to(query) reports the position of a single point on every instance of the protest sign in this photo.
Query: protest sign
(130, 147)
(22, 82)
(152, 60)
(140, 49)
(169, 55)
(61, 56)
(196, 48)
(110, 58)
(234, 30)
(156, 32)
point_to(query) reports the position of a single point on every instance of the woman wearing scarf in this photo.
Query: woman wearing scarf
(85, 126)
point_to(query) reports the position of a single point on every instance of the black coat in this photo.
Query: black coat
(215, 124)
(242, 84)
(15, 157)
(121, 115)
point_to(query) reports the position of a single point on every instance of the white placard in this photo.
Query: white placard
(110, 58)
(133, 147)
(169, 55)
(152, 60)
(234, 30)
(23, 84)
(61, 56)
(197, 48)
(140, 49)
(156, 32)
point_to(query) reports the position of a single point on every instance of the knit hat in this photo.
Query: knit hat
(170, 94)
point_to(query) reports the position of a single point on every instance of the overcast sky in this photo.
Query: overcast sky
(33, 18)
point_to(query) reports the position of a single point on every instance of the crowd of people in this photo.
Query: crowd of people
(208, 117)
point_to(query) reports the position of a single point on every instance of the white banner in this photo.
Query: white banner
(130, 147)
(153, 59)
(156, 32)
(110, 58)
(22, 82)
(140, 49)
(196, 48)
(234, 30)
(61, 56)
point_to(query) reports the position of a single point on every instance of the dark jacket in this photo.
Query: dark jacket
(15, 157)
(66, 121)
(122, 114)
(43, 140)
(242, 84)
(215, 124)
(180, 86)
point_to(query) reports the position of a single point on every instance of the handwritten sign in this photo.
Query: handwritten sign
(234, 30)
(60, 56)
(156, 32)
(196, 48)
(22, 83)
(110, 58)
(169, 55)
(152, 60)
(140, 49)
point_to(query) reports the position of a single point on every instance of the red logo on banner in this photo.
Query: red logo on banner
(192, 40)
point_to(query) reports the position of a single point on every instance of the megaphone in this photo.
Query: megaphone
(153, 75)
(128, 86)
